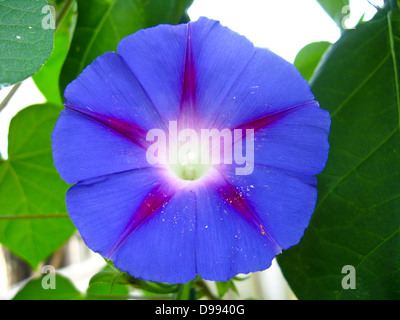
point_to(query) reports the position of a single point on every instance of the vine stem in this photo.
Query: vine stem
(393, 4)
(184, 291)
(62, 13)
(8, 97)
(33, 216)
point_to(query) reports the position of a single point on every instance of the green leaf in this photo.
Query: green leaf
(153, 287)
(308, 58)
(34, 290)
(224, 286)
(24, 44)
(47, 78)
(115, 276)
(357, 218)
(102, 24)
(185, 291)
(336, 9)
(107, 284)
(33, 218)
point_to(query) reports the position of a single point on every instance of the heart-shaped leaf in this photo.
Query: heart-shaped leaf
(33, 218)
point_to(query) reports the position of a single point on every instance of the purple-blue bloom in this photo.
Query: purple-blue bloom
(170, 223)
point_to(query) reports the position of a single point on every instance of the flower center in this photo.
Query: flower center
(189, 166)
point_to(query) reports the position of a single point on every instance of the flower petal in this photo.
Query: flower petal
(148, 232)
(85, 149)
(163, 248)
(268, 84)
(157, 57)
(101, 208)
(282, 201)
(227, 242)
(295, 139)
(219, 57)
(107, 87)
(153, 225)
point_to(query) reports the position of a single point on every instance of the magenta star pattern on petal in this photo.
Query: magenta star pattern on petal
(179, 91)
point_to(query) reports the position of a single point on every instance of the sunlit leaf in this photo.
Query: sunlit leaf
(33, 217)
(35, 290)
(47, 78)
(107, 285)
(308, 58)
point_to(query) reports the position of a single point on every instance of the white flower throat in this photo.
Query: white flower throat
(190, 153)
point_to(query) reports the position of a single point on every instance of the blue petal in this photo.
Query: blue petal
(227, 244)
(130, 213)
(219, 56)
(297, 141)
(159, 246)
(157, 58)
(101, 208)
(266, 84)
(84, 149)
(108, 87)
(283, 202)
(163, 249)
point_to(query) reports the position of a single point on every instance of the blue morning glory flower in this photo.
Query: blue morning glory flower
(192, 153)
